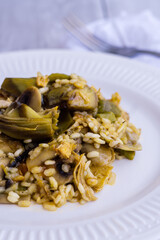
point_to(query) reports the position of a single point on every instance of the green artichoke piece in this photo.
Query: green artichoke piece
(36, 130)
(56, 96)
(134, 147)
(108, 115)
(23, 123)
(108, 106)
(52, 77)
(31, 97)
(127, 154)
(16, 86)
(83, 99)
(65, 121)
(23, 111)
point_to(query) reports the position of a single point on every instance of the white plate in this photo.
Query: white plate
(131, 208)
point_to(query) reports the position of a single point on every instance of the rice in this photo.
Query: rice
(12, 197)
(18, 152)
(49, 206)
(53, 183)
(65, 168)
(49, 172)
(49, 162)
(37, 169)
(93, 154)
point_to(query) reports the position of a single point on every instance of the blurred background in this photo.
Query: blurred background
(37, 24)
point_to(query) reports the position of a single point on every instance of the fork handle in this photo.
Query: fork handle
(147, 52)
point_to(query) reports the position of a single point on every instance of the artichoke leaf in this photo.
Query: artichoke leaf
(16, 86)
(31, 97)
(22, 111)
(102, 173)
(65, 121)
(79, 179)
(23, 123)
(35, 131)
(108, 106)
(57, 95)
(127, 154)
(52, 77)
(129, 147)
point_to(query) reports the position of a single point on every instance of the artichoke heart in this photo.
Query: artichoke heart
(23, 123)
(82, 99)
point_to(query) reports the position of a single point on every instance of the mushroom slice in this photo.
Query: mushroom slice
(38, 156)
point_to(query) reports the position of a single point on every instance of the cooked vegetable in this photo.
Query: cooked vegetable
(127, 154)
(136, 147)
(16, 86)
(23, 123)
(108, 106)
(106, 154)
(102, 173)
(65, 121)
(57, 95)
(82, 99)
(23, 111)
(31, 97)
(80, 182)
(108, 115)
(52, 77)
(44, 154)
(3, 198)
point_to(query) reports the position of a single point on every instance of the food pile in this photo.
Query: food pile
(59, 138)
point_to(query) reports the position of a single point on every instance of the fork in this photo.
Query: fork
(79, 31)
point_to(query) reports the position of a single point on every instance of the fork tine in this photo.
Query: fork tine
(78, 30)
(76, 34)
(80, 25)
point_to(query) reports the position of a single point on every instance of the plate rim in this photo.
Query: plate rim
(85, 53)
